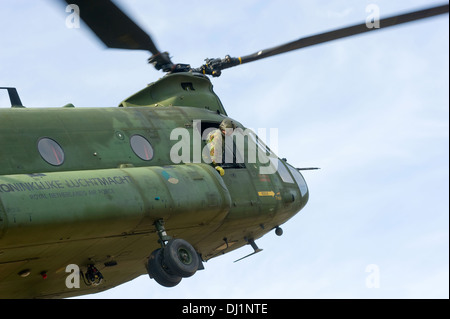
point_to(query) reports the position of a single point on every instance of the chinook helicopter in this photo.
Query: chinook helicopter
(129, 208)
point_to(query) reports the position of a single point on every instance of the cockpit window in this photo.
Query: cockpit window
(284, 173)
(262, 151)
(299, 179)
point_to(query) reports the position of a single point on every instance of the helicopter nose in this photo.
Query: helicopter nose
(294, 193)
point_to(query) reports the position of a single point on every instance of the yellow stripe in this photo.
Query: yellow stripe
(240, 60)
(266, 193)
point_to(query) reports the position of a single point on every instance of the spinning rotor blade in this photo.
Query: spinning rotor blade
(113, 26)
(214, 66)
(345, 32)
(116, 30)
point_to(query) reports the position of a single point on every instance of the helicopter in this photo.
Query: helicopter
(38, 180)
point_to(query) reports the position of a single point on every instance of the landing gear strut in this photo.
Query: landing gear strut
(176, 259)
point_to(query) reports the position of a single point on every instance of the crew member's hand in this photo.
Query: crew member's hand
(220, 170)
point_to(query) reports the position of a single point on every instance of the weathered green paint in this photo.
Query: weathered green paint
(109, 202)
(100, 205)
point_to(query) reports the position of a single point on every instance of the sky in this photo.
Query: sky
(372, 111)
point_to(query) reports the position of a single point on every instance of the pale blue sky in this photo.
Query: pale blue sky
(372, 111)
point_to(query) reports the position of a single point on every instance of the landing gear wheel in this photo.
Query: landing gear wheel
(181, 258)
(157, 270)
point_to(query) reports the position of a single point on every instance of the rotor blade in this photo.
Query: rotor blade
(215, 66)
(112, 26)
(116, 30)
(345, 32)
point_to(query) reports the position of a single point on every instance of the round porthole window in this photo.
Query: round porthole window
(50, 151)
(141, 147)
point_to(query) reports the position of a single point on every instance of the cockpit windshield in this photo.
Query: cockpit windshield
(289, 174)
(299, 179)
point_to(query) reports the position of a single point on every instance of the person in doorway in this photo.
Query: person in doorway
(216, 143)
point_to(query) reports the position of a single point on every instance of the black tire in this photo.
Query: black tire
(181, 258)
(156, 270)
